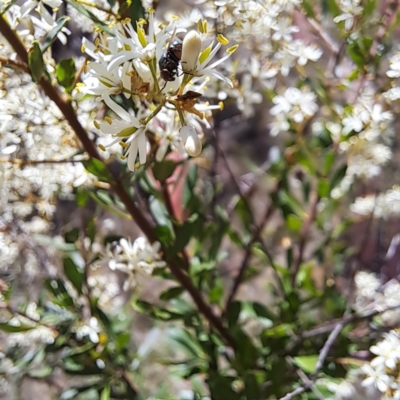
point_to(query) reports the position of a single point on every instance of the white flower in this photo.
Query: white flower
(166, 127)
(192, 141)
(394, 71)
(31, 4)
(191, 48)
(350, 8)
(303, 52)
(200, 66)
(103, 81)
(91, 330)
(392, 94)
(127, 127)
(376, 377)
(140, 255)
(46, 23)
(387, 351)
(283, 29)
(296, 104)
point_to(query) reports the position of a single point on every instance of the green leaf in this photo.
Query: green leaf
(7, 7)
(171, 293)
(293, 222)
(84, 11)
(333, 7)
(262, 311)
(41, 372)
(81, 196)
(323, 188)
(186, 340)
(122, 340)
(52, 35)
(105, 394)
(97, 197)
(338, 176)
(98, 169)
(136, 11)
(35, 61)
(163, 170)
(73, 274)
(233, 313)
(65, 72)
(198, 267)
(189, 185)
(5, 327)
(329, 158)
(308, 9)
(356, 54)
(369, 8)
(306, 363)
(185, 232)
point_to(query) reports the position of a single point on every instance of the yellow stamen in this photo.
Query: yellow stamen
(222, 39)
(232, 49)
(96, 124)
(108, 119)
(101, 147)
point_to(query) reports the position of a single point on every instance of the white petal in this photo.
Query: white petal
(132, 154)
(142, 147)
(119, 110)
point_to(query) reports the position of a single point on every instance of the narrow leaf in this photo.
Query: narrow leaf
(36, 63)
(52, 36)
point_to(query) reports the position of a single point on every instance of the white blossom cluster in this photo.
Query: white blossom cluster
(382, 371)
(372, 296)
(350, 9)
(365, 137)
(129, 63)
(293, 107)
(133, 258)
(36, 145)
(268, 29)
(383, 205)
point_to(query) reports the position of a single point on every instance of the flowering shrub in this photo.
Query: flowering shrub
(192, 200)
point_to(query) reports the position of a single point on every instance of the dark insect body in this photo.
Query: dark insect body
(169, 61)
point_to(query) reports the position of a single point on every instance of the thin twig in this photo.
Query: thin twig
(305, 231)
(141, 220)
(243, 268)
(320, 362)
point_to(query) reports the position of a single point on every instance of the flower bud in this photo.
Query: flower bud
(191, 48)
(192, 141)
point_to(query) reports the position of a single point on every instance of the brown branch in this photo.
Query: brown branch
(143, 223)
(14, 64)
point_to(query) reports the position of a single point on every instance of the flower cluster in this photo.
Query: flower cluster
(384, 205)
(365, 137)
(160, 75)
(293, 107)
(382, 372)
(139, 257)
(37, 163)
(371, 295)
